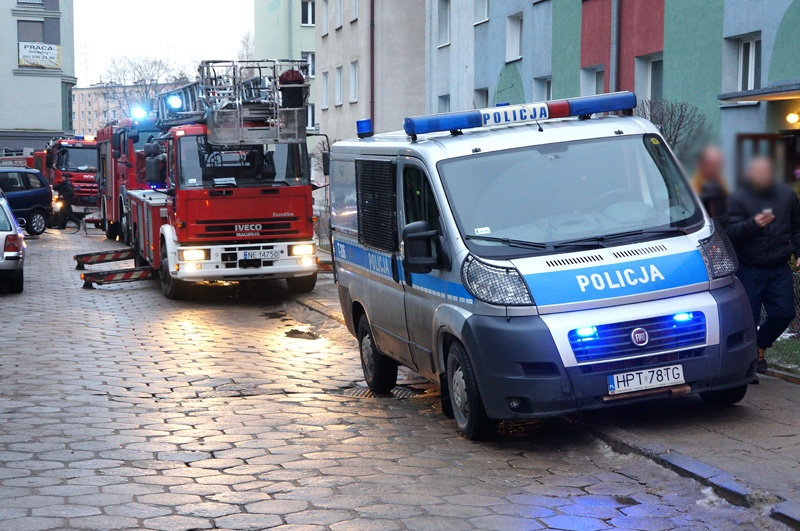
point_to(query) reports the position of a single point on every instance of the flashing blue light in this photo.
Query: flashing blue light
(364, 128)
(586, 331)
(618, 101)
(442, 122)
(138, 113)
(77, 137)
(155, 186)
(682, 317)
(175, 101)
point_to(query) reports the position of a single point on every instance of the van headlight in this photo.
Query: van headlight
(495, 285)
(194, 255)
(718, 254)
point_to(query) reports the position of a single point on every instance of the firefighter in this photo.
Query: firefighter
(67, 194)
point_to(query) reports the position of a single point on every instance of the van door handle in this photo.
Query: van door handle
(220, 192)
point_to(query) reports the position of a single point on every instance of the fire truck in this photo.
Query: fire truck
(14, 158)
(229, 188)
(121, 159)
(75, 158)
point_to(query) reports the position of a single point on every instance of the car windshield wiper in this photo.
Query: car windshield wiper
(599, 240)
(508, 241)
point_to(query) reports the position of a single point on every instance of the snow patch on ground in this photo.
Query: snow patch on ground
(710, 498)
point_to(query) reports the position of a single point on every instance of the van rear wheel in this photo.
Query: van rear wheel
(380, 372)
(726, 397)
(465, 398)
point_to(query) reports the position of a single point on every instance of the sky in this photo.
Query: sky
(182, 32)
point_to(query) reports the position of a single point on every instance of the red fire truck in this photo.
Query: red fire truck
(234, 172)
(75, 158)
(121, 160)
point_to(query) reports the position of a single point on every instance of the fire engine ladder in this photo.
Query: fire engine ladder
(111, 276)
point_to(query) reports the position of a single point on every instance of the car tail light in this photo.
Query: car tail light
(13, 243)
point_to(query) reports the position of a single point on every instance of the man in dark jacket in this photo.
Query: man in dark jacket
(709, 184)
(765, 230)
(66, 192)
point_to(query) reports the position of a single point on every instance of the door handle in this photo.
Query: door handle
(220, 192)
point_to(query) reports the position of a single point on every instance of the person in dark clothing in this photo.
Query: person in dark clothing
(66, 192)
(765, 230)
(709, 184)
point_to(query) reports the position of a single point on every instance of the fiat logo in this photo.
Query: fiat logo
(639, 337)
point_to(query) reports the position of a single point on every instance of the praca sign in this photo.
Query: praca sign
(39, 54)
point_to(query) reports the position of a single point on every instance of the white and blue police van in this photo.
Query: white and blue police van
(535, 260)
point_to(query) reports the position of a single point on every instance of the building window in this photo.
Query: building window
(324, 20)
(89, 101)
(307, 13)
(323, 90)
(514, 37)
(480, 99)
(73, 98)
(592, 80)
(481, 11)
(311, 59)
(444, 103)
(749, 64)
(444, 23)
(105, 115)
(338, 13)
(337, 86)
(655, 79)
(113, 114)
(353, 10)
(543, 88)
(310, 119)
(74, 115)
(599, 82)
(353, 81)
(30, 31)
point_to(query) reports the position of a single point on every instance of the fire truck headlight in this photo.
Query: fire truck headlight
(194, 255)
(305, 249)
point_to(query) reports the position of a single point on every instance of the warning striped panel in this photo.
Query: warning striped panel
(102, 257)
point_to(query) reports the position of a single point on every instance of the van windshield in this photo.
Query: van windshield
(207, 166)
(555, 194)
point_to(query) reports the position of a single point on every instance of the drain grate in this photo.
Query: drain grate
(365, 392)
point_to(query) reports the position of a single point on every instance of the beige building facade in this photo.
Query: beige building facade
(370, 64)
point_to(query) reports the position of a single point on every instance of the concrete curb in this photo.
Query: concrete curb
(785, 376)
(312, 304)
(731, 488)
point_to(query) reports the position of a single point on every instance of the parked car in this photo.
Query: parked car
(12, 259)
(29, 195)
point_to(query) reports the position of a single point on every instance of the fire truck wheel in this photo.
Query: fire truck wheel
(172, 288)
(36, 223)
(302, 284)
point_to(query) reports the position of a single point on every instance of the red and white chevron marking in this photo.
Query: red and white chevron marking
(117, 276)
(101, 257)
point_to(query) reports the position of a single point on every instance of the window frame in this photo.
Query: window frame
(480, 18)
(324, 92)
(308, 11)
(325, 19)
(514, 36)
(353, 10)
(338, 91)
(338, 13)
(353, 82)
(443, 40)
(312, 63)
(755, 49)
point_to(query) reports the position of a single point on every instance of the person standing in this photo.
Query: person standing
(709, 184)
(66, 192)
(765, 231)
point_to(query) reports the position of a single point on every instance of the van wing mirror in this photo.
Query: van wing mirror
(419, 242)
(326, 163)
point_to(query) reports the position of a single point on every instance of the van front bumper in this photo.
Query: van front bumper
(517, 361)
(228, 262)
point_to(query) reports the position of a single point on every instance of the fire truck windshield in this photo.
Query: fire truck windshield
(144, 138)
(77, 159)
(206, 166)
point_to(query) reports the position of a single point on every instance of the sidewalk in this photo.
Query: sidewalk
(757, 441)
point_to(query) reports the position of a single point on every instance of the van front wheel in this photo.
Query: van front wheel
(465, 398)
(380, 372)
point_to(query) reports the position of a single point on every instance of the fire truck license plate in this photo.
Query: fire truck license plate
(627, 382)
(261, 255)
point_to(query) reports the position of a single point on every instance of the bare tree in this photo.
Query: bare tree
(130, 81)
(247, 48)
(682, 124)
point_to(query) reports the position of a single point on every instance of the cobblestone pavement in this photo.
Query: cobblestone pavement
(120, 409)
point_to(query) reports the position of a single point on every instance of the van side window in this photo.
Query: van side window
(418, 198)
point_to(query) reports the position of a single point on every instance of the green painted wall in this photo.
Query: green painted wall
(509, 86)
(693, 55)
(566, 51)
(784, 64)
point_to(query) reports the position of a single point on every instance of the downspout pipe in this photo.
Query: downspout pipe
(372, 62)
(613, 60)
(291, 47)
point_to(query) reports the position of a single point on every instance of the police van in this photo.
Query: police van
(535, 260)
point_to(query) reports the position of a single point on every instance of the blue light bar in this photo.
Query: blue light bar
(516, 114)
(138, 113)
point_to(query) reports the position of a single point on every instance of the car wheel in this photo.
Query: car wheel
(17, 282)
(172, 288)
(468, 410)
(380, 372)
(37, 223)
(302, 284)
(726, 397)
